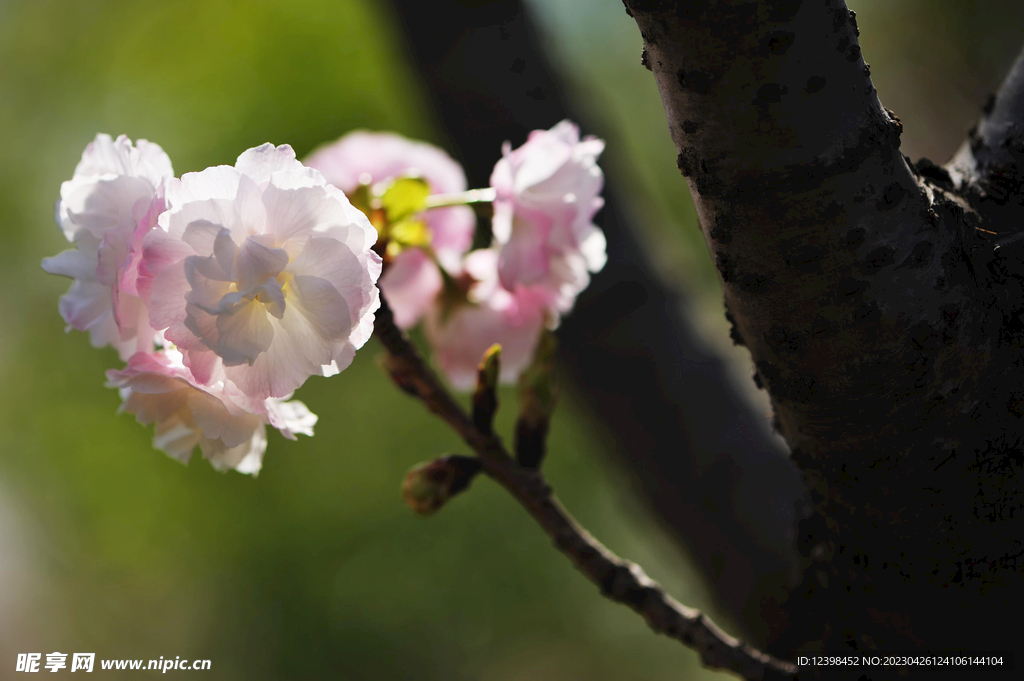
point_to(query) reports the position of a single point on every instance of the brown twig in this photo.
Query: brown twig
(618, 579)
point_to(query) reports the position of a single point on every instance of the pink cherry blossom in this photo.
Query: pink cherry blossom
(547, 192)
(411, 283)
(411, 280)
(227, 426)
(264, 267)
(459, 335)
(113, 198)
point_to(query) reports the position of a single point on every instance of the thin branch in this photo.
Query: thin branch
(680, 427)
(619, 580)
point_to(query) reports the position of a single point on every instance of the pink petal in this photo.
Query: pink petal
(410, 285)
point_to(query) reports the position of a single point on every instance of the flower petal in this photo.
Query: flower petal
(167, 291)
(244, 333)
(73, 263)
(410, 286)
(259, 163)
(256, 262)
(217, 182)
(291, 418)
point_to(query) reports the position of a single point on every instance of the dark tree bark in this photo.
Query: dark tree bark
(703, 459)
(881, 315)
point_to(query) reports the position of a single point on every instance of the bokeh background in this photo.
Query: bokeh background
(315, 569)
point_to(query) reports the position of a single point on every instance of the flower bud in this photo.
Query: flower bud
(428, 486)
(485, 397)
(537, 397)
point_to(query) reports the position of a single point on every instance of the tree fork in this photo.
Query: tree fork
(874, 303)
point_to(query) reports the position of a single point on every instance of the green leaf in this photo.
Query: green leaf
(406, 196)
(410, 233)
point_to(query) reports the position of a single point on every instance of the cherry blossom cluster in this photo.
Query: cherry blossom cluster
(224, 290)
(545, 245)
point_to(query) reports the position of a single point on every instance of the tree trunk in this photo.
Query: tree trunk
(879, 309)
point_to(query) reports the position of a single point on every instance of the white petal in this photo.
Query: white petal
(252, 216)
(325, 310)
(210, 415)
(331, 260)
(159, 251)
(167, 296)
(72, 263)
(311, 333)
(202, 235)
(255, 263)
(284, 366)
(225, 251)
(155, 164)
(218, 182)
(245, 458)
(177, 440)
(566, 132)
(291, 418)
(344, 354)
(261, 162)
(103, 156)
(95, 205)
(544, 157)
(594, 250)
(205, 291)
(271, 294)
(244, 333)
(208, 216)
(501, 223)
(364, 329)
(296, 213)
(158, 389)
(86, 305)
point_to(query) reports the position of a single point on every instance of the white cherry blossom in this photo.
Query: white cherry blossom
(262, 266)
(113, 198)
(227, 426)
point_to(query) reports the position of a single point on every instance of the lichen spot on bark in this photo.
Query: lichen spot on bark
(814, 84)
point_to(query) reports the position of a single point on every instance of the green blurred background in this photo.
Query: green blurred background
(315, 569)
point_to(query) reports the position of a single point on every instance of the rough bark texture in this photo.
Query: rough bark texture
(988, 167)
(880, 316)
(703, 459)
